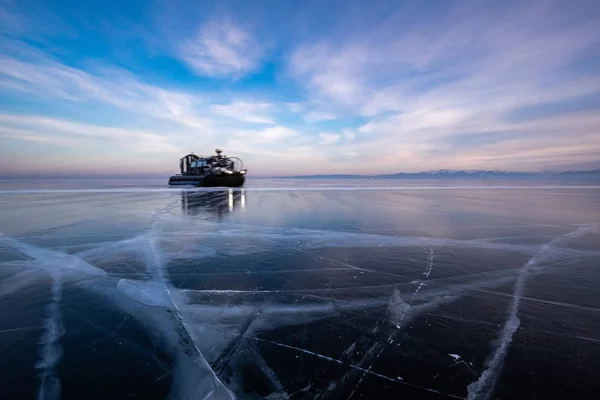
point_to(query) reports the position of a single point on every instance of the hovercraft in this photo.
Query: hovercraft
(211, 171)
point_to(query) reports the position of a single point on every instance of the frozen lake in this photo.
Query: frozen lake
(300, 290)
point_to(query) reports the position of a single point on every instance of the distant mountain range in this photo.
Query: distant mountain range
(593, 175)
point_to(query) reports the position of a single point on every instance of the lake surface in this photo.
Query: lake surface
(124, 289)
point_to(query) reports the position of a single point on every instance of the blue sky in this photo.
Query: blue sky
(128, 87)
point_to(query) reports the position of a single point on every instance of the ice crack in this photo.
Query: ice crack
(484, 387)
(50, 351)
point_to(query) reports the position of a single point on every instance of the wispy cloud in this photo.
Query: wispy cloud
(272, 135)
(222, 48)
(247, 112)
(40, 129)
(398, 64)
(30, 135)
(294, 107)
(41, 75)
(19, 18)
(329, 138)
(467, 69)
(316, 116)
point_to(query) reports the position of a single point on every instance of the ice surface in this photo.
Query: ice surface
(54, 262)
(147, 293)
(339, 296)
(19, 281)
(483, 388)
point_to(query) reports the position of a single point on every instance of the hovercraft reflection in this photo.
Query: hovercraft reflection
(209, 171)
(214, 202)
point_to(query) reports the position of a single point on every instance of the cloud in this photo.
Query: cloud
(394, 65)
(261, 144)
(316, 116)
(294, 107)
(50, 130)
(222, 48)
(246, 112)
(332, 75)
(349, 135)
(9, 21)
(34, 72)
(276, 150)
(499, 73)
(271, 135)
(417, 120)
(567, 105)
(480, 143)
(27, 135)
(329, 138)
(24, 19)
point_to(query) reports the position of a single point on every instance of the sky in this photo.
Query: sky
(298, 87)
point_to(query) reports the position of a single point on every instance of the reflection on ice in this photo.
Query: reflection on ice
(217, 203)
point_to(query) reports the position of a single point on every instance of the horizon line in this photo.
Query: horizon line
(301, 176)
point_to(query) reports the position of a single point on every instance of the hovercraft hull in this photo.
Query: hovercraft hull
(225, 180)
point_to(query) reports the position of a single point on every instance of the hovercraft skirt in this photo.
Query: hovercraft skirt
(229, 180)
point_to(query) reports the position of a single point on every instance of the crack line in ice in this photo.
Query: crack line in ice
(429, 261)
(20, 280)
(454, 365)
(267, 272)
(30, 328)
(396, 300)
(155, 267)
(536, 300)
(354, 267)
(51, 352)
(222, 360)
(349, 266)
(484, 387)
(359, 303)
(304, 389)
(356, 367)
(236, 291)
(54, 261)
(588, 339)
(406, 307)
(311, 239)
(462, 319)
(315, 238)
(461, 277)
